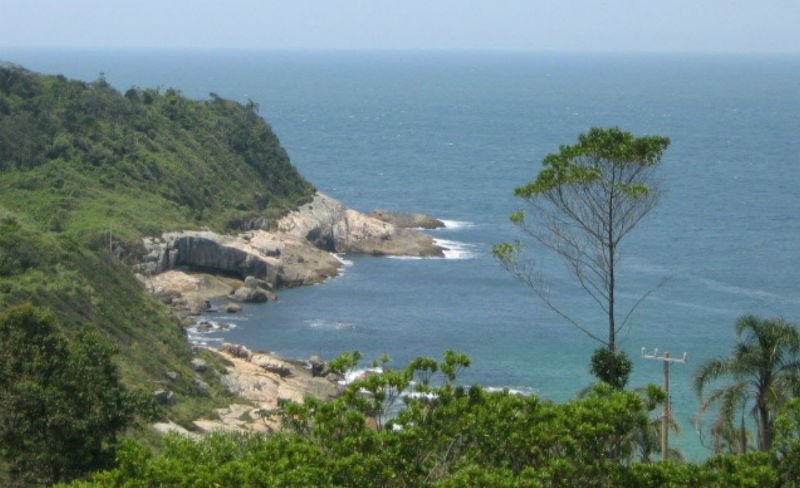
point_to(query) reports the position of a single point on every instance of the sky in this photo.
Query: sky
(519, 25)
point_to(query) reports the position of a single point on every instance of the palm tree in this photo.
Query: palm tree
(764, 367)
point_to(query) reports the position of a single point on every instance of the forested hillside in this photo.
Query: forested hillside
(82, 157)
(86, 171)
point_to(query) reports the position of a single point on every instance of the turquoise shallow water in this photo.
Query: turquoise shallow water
(452, 135)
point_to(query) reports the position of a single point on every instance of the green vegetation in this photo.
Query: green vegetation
(83, 346)
(61, 403)
(765, 369)
(588, 197)
(82, 158)
(85, 172)
(449, 436)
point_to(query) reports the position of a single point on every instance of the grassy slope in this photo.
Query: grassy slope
(78, 159)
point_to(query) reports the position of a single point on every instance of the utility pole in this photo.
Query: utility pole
(665, 420)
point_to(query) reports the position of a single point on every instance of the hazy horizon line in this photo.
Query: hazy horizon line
(335, 50)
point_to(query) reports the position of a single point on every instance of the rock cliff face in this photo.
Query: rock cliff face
(330, 225)
(297, 252)
(207, 251)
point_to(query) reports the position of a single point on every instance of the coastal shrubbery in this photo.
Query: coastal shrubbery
(447, 436)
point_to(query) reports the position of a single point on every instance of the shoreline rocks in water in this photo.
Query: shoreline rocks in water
(407, 220)
(296, 252)
(331, 226)
(186, 269)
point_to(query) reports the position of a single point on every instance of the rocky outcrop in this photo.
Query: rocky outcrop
(265, 380)
(407, 220)
(331, 226)
(207, 251)
(301, 262)
(297, 252)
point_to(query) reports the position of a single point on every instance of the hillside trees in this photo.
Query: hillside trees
(61, 404)
(142, 163)
(585, 201)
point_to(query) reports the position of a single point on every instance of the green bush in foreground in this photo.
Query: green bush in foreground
(61, 403)
(447, 436)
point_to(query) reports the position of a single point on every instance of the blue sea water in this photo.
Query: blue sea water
(452, 134)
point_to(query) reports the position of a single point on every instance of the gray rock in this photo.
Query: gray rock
(253, 295)
(317, 366)
(206, 250)
(196, 307)
(280, 369)
(252, 282)
(198, 365)
(407, 220)
(237, 351)
(172, 375)
(232, 308)
(200, 384)
(168, 296)
(230, 383)
(164, 397)
(331, 226)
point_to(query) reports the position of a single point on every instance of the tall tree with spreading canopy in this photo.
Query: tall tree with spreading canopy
(588, 197)
(765, 368)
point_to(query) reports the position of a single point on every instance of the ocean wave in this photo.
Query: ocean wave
(205, 326)
(456, 249)
(517, 390)
(739, 290)
(692, 306)
(340, 257)
(357, 374)
(322, 324)
(457, 224)
(233, 318)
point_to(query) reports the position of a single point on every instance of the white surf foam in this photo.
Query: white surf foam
(340, 257)
(452, 250)
(456, 224)
(357, 374)
(456, 249)
(519, 390)
(205, 326)
(322, 324)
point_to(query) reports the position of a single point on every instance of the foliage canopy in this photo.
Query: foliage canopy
(764, 369)
(62, 406)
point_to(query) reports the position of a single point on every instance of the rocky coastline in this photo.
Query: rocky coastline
(187, 269)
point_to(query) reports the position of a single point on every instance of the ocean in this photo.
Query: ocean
(451, 134)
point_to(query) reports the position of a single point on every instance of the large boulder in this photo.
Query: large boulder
(252, 295)
(331, 226)
(301, 263)
(237, 351)
(407, 220)
(317, 366)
